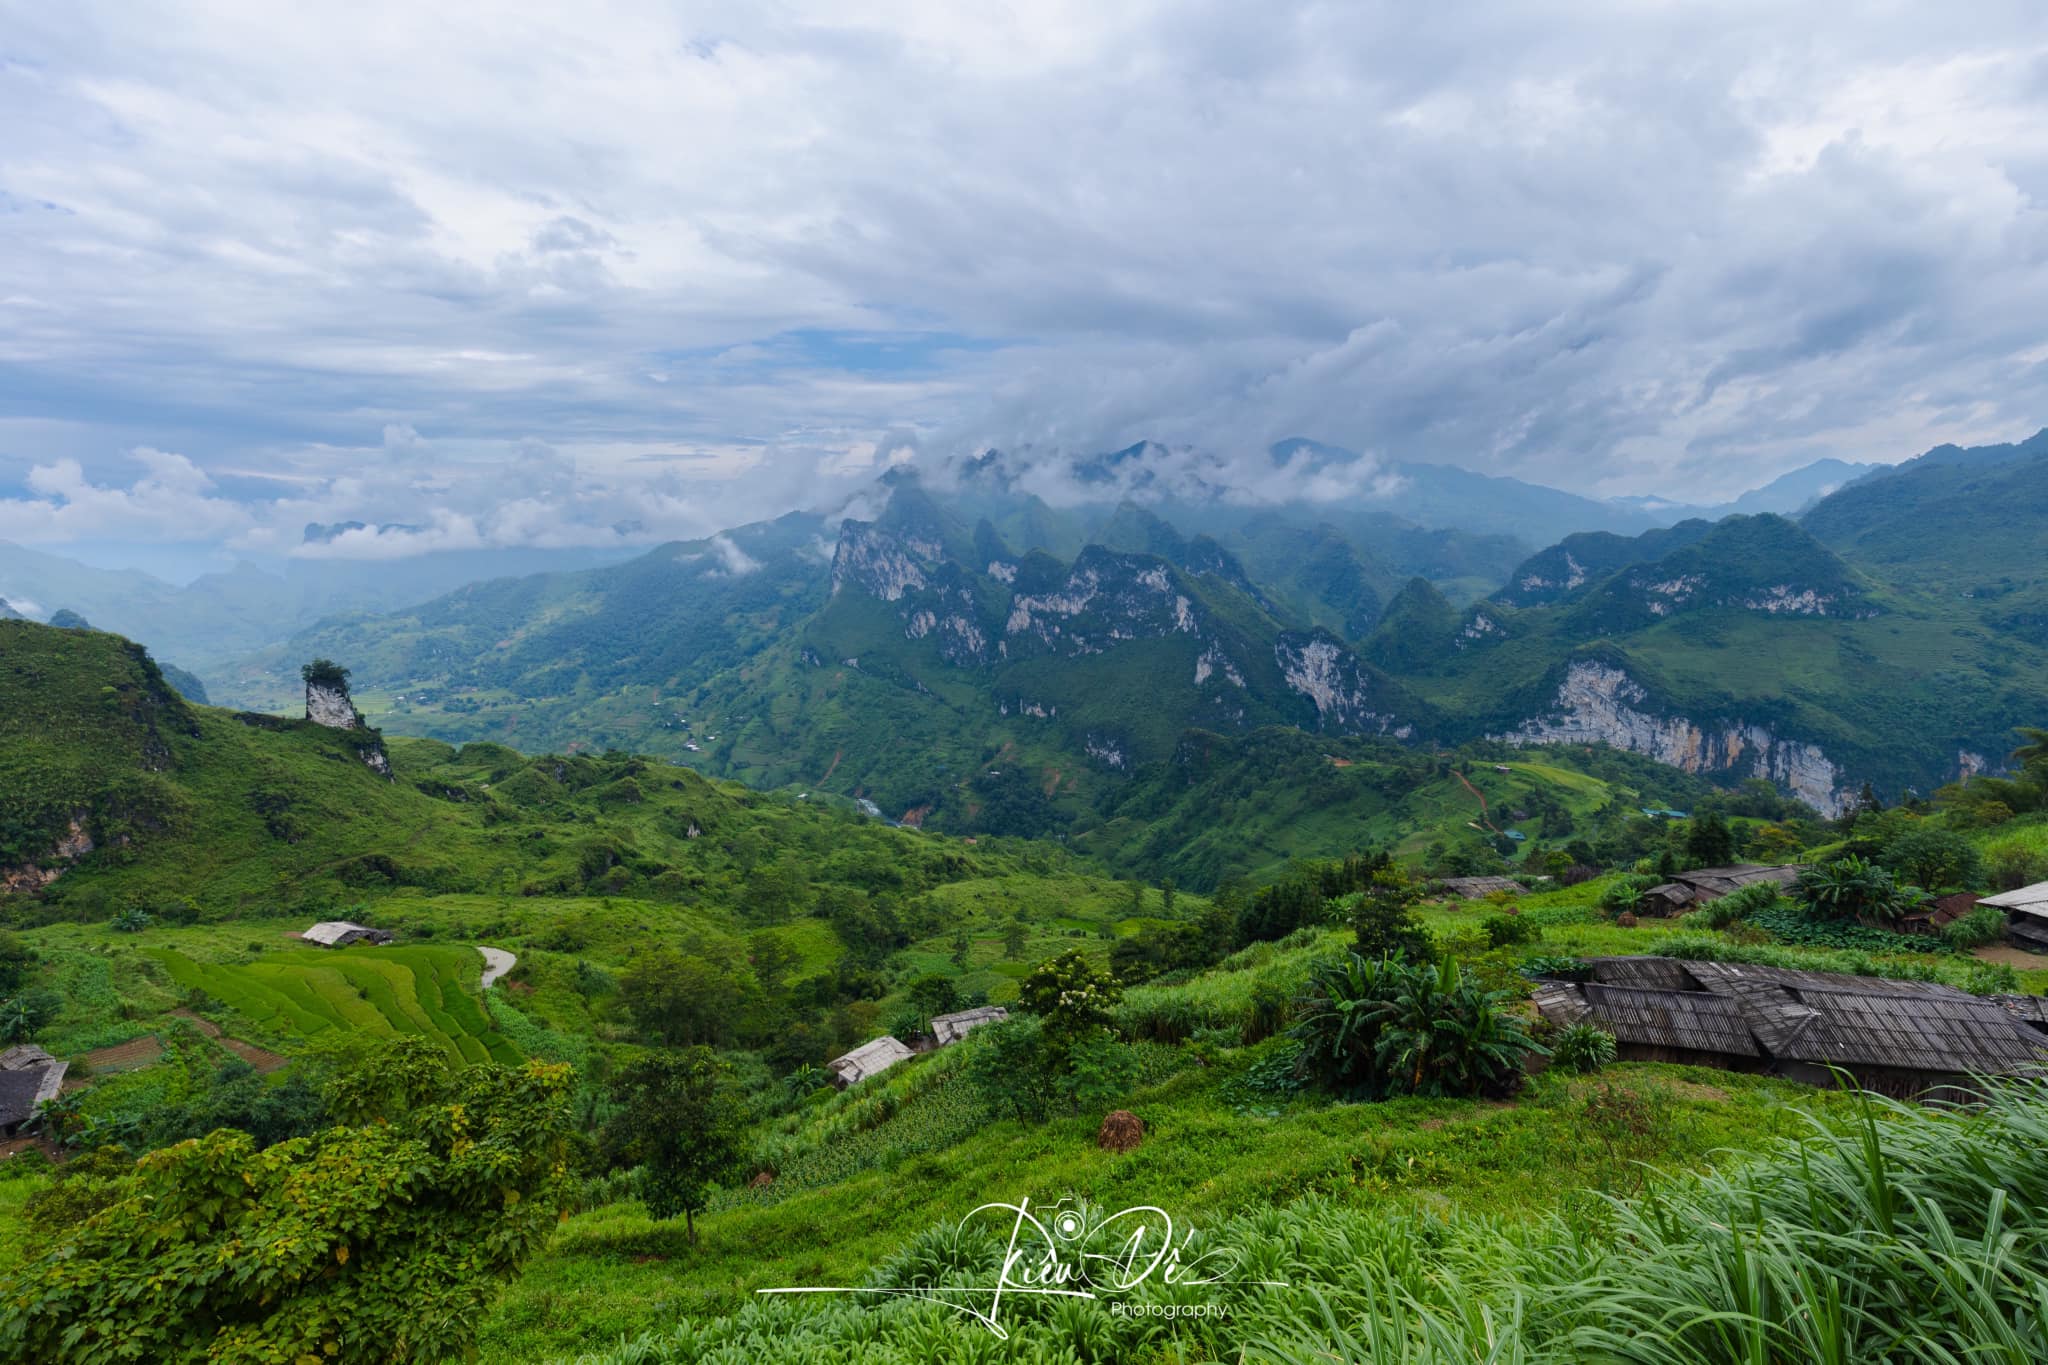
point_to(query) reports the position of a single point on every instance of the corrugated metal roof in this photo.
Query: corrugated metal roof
(2028, 900)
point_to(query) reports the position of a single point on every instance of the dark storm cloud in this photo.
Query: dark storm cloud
(717, 259)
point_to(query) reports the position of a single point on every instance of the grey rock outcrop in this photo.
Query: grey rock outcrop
(1599, 703)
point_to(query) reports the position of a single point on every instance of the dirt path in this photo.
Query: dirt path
(1478, 795)
(837, 754)
(2019, 959)
(497, 962)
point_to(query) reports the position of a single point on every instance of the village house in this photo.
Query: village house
(28, 1077)
(951, 1028)
(1901, 1038)
(2026, 915)
(339, 933)
(1479, 888)
(869, 1059)
(1687, 890)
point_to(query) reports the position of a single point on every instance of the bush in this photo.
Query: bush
(1008, 1066)
(1582, 1047)
(1738, 905)
(1505, 931)
(1984, 925)
(1101, 1071)
(1370, 1030)
(1991, 978)
(1625, 893)
(2012, 864)
(1853, 888)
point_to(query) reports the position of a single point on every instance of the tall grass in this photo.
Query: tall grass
(1910, 1235)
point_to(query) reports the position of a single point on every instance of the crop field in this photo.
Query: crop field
(416, 990)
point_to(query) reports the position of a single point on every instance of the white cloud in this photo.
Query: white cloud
(1607, 245)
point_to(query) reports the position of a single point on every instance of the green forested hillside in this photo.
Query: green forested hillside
(980, 662)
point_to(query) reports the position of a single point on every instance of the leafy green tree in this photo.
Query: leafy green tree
(683, 999)
(1383, 923)
(1167, 892)
(681, 1121)
(933, 994)
(1708, 840)
(1016, 935)
(1929, 855)
(1100, 1071)
(1071, 997)
(772, 960)
(324, 673)
(385, 1239)
(1009, 1066)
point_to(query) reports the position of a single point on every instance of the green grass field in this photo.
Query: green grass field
(424, 991)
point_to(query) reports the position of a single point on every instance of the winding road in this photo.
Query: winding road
(497, 962)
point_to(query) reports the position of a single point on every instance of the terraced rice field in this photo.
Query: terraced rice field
(380, 991)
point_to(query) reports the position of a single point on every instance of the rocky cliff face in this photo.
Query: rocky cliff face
(881, 563)
(330, 706)
(1348, 695)
(1598, 703)
(75, 843)
(1105, 599)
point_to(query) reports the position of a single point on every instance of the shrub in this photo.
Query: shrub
(1625, 893)
(1582, 1047)
(2013, 864)
(1007, 1064)
(1737, 905)
(1852, 888)
(1374, 1029)
(1101, 1071)
(442, 1181)
(1507, 930)
(1984, 925)
(1991, 978)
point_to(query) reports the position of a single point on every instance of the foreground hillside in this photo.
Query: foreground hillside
(633, 1123)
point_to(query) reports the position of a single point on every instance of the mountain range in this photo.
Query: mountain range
(972, 656)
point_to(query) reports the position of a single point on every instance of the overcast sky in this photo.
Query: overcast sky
(518, 279)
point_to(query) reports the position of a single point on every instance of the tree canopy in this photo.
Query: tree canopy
(380, 1240)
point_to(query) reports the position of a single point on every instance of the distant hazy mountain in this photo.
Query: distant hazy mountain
(224, 616)
(1786, 495)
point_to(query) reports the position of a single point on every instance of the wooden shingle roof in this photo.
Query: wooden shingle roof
(1824, 1018)
(1693, 1020)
